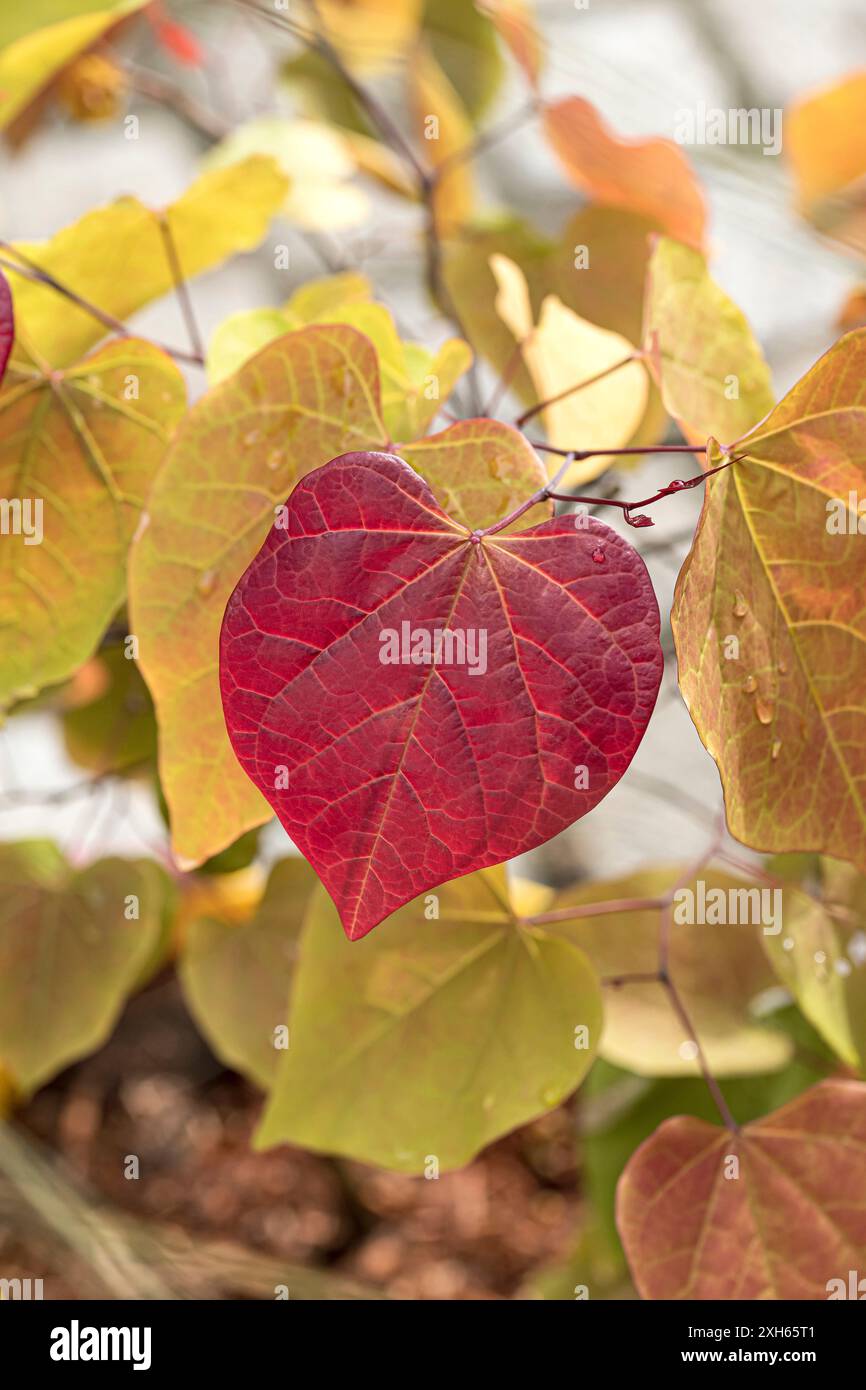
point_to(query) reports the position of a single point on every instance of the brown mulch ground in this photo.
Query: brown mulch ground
(156, 1091)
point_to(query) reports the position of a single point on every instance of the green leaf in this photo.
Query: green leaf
(82, 446)
(464, 44)
(236, 976)
(431, 1037)
(115, 729)
(69, 954)
(821, 958)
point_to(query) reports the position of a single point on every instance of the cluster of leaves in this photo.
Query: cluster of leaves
(220, 574)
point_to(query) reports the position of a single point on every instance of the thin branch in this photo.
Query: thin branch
(319, 43)
(578, 386)
(711, 1082)
(641, 520)
(605, 908)
(487, 139)
(159, 89)
(181, 287)
(29, 270)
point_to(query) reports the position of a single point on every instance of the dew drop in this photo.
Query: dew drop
(776, 749)
(252, 437)
(750, 685)
(206, 583)
(598, 556)
(741, 608)
(820, 957)
(550, 1096)
(274, 459)
(782, 667)
(764, 709)
(788, 943)
(843, 967)
(688, 1051)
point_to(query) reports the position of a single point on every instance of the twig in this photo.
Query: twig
(181, 287)
(487, 139)
(578, 386)
(159, 89)
(29, 270)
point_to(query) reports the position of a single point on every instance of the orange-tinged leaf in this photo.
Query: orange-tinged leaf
(515, 24)
(224, 211)
(773, 1212)
(78, 452)
(303, 399)
(853, 311)
(652, 177)
(445, 129)
(825, 139)
(769, 622)
(560, 352)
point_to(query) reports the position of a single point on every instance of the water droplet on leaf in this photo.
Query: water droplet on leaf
(764, 709)
(598, 556)
(741, 608)
(206, 583)
(750, 685)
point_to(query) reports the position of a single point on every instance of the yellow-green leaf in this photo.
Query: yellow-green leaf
(444, 1029)
(236, 975)
(33, 59)
(718, 968)
(223, 212)
(821, 958)
(562, 351)
(72, 947)
(480, 470)
(78, 452)
(114, 727)
(713, 376)
(415, 382)
(304, 399)
(317, 161)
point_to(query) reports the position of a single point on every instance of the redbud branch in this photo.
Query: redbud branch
(486, 139)
(578, 386)
(181, 287)
(29, 270)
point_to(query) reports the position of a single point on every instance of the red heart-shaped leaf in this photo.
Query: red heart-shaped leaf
(396, 760)
(7, 323)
